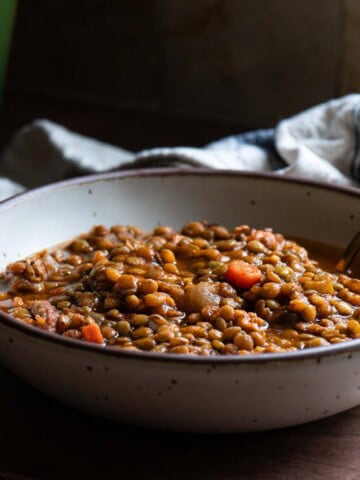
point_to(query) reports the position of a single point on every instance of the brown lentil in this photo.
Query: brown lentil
(144, 343)
(141, 332)
(180, 349)
(123, 327)
(244, 341)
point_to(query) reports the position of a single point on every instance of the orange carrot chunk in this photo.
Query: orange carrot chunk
(92, 333)
(241, 274)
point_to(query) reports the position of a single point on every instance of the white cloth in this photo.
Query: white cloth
(321, 143)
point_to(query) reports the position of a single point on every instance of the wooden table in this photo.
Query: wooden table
(42, 439)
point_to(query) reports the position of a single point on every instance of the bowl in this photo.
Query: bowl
(195, 394)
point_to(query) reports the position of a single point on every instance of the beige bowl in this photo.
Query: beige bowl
(222, 394)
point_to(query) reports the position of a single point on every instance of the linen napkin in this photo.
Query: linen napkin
(322, 143)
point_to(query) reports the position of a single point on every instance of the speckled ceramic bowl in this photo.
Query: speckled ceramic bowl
(223, 394)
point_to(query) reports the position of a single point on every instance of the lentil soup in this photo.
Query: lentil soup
(205, 290)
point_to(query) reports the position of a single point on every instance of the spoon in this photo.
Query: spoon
(350, 259)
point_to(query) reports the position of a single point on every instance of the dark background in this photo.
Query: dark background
(141, 73)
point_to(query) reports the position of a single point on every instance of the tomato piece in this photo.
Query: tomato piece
(241, 274)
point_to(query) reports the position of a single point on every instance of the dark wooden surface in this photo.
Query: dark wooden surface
(42, 439)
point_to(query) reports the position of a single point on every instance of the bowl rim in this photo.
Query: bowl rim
(316, 353)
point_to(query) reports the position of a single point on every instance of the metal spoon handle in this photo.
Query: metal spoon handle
(350, 254)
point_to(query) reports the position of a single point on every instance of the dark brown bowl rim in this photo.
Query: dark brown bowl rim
(316, 353)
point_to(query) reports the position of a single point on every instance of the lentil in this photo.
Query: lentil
(168, 292)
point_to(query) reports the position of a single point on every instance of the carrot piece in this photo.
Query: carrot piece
(92, 333)
(241, 274)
